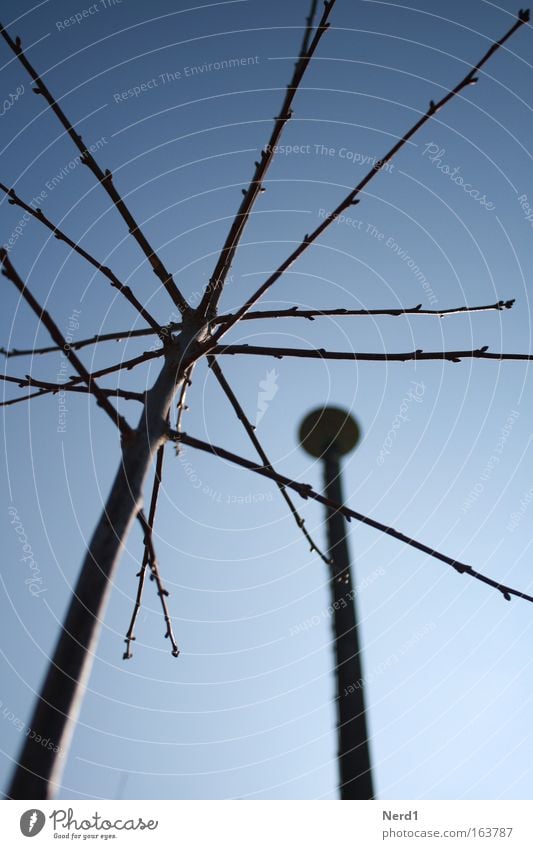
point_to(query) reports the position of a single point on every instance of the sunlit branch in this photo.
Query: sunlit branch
(250, 430)
(62, 237)
(59, 339)
(181, 405)
(351, 199)
(155, 576)
(54, 388)
(103, 177)
(215, 286)
(340, 312)
(321, 354)
(306, 491)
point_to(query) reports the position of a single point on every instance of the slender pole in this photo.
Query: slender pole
(354, 755)
(329, 433)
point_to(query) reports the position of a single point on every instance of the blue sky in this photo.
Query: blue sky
(247, 710)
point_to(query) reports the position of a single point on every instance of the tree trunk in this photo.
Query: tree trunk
(38, 773)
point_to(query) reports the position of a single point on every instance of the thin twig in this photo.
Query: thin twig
(39, 215)
(309, 21)
(125, 365)
(322, 354)
(130, 636)
(293, 312)
(351, 198)
(181, 405)
(28, 380)
(306, 491)
(84, 343)
(105, 178)
(296, 312)
(46, 319)
(215, 286)
(250, 430)
(155, 576)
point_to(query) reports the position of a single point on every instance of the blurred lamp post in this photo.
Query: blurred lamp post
(328, 433)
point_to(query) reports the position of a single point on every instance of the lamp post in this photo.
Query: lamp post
(328, 433)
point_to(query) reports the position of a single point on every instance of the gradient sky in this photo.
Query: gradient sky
(247, 710)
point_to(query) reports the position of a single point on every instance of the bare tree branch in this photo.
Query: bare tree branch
(322, 354)
(113, 279)
(293, 312)
(28, 380)
(103, 177)
(130, 636)
(215, 286)
(309, 21)
(92, 340)
(250, 430)
(59, 339)
(155, 576)
(306, 491)
(351, 198)
(341, 312)
(125, 365)
(181, 405)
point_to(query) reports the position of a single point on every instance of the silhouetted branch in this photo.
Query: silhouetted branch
(62, 237)
(250, 430)
(296, 312)
(309, 21)
(59, 339)
(28, 380)
(130, 636)
(92, 340)
(215, 286)
(105, 178)
(155, 576)
(351, 198)
(306, 491)
(293, 312)
(322, 354)
(125, 365)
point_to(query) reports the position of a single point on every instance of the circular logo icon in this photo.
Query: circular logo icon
(32, 822)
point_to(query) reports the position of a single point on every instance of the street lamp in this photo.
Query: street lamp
(328, 433)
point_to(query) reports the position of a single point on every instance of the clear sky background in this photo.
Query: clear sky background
(247, 710)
